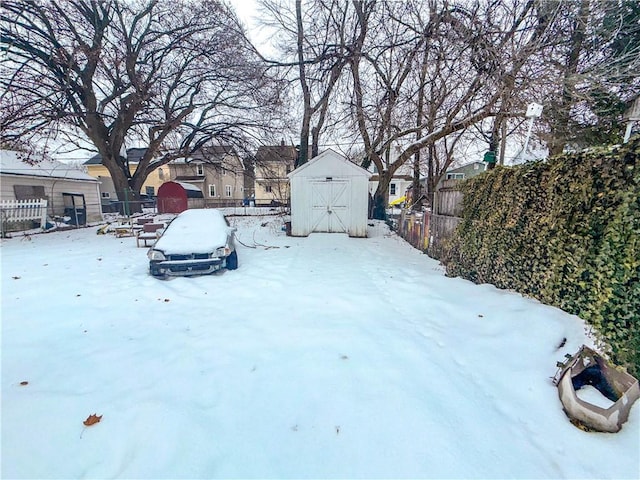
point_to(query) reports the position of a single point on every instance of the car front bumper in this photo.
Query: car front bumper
(182, 268)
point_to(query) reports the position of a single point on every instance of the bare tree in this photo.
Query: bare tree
(314, 43)
(593, 71)
(173, 76)
(473, 53)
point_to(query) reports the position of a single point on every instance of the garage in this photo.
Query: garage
(329, 194)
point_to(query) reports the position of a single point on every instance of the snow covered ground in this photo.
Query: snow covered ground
(320, 357)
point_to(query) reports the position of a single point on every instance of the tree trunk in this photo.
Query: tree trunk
(432, 176)
(303, 155)
(127, 194)
(416, 194)
(381, 196)
(560, 133)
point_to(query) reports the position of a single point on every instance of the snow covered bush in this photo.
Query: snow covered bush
(565, 231)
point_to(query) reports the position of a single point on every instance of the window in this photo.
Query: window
(392, 189)
(150, 191)
(268, 189)
(200, 169)
(105, 195)
(29, 192)
(455, 176)
(212, 190)
(227, 190)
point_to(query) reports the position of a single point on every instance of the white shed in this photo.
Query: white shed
(329, 194)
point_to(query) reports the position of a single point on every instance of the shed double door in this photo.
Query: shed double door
(330, 206)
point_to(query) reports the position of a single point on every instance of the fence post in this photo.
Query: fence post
(43, 214)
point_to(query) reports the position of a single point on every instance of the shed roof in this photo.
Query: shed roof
(335, 160)
(192, 190)
(12, 162)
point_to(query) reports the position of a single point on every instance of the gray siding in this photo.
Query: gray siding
(54, 188)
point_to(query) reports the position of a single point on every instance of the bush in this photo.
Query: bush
(565, 231)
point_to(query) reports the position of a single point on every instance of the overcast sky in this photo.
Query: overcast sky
(247, 12)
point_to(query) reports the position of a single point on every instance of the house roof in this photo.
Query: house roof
(465, 166)
(133, 154)
(375, 177)
(276, 153)
(209, 153)
(11, 163)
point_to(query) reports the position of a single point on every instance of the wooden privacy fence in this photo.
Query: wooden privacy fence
(414, 228)
(23, 210)
(428, 231)
(448, 199)
(442, 227)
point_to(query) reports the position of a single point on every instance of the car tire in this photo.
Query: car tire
(232, 261)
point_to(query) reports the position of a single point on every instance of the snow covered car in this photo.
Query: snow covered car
(196, 242)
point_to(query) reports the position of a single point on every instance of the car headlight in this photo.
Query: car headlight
(155, 255)
(223, 252)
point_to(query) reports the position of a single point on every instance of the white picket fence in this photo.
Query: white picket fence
(21, 210)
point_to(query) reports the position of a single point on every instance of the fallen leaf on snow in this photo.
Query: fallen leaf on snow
(92, 420)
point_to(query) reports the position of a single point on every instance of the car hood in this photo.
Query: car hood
(186, 236)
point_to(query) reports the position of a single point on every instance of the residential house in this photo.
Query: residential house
(272, 165)
(69, 192)
(463, 172)
(108, 193)
(401, 180)
(217, 171)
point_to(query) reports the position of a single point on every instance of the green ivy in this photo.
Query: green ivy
(565, 231)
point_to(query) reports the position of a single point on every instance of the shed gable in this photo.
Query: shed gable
(329, 163)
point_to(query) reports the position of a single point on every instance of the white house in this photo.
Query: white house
(401, 180)
(329, 194)
(68, 191)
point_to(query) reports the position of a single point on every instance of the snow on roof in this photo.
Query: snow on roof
(338, 161)
(12, 163)
(189, 186)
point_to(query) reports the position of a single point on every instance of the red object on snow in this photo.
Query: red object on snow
(172, 198)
